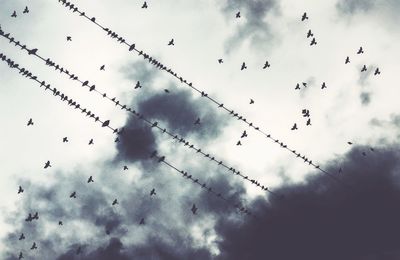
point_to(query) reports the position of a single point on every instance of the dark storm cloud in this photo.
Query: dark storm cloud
(255, 27)
(324, 220)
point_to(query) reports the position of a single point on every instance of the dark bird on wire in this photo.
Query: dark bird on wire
(323, 85)
(21, 237)
(364, 68)
(304, 84)
(65, 140)
(243, 66)
(73, 195)
(102, 67)
(47, 165)
(194, 209)
(377, 71)
(20, 190)
(106, 123)
(347, 60)
(115, 202)
(32, 52)
(244, 134)
(26, 10)
(294, 127)
(171, 42)
(14, 14)
(90, 179)
(144, 5)
(152, 192)
(313, 42)
(309, 34)
(238, 15)
(30, 122)
(69, 39)
(91, 142)
(266, 65)
(33, 246)
(220, 61)
(304, 17)
(360, 51)
(138, 85)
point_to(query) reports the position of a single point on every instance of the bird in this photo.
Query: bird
(36, 216)
(171, 42)
(106, 123)
(304, 17)
(152, 192)
(141, 221)
(360, 51)
(308, 121)
(243, 66)
(220, 61)
(33, 246)
(47, 165)
(65, 140)
(60, 223)
(194, 209)
(30, 122)
(125, 167)
(102, 67)
(377, 71)
(350, 143)
(197, 122)
(347, 60)
(69, 39)
(91, 142)
(138, 85)
(313, 42)
(323, 85)
(14, 14)
(20, 190)
(73, 195)
(309, 34)
(90, 179)
(238, 15)
(304, 84)
(26, 10)
(294, 127)
(364, 68)
(161, 159)
(115, 202)
(21, 237)
(244, 134)
(166, 90)
(297, 86)
(239, 143)
(20, 256)
(266, 65)
(144, 5)
(251, 101)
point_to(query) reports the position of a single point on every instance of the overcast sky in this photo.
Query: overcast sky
(352, 215)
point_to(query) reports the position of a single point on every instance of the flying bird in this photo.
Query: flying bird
(21, 237)
(294, 127)
(313, 42)
(364, 68)
(308, 121)
(323, 85)
(33, 246)
(91, 142)
(65, 140)
(238, 15)
(144, 5)
(304, 84)
(243, 66)
(152, 192)
(20, 190)
(309, 34)
(90, 179)
(347, 60)
(115, 202)
(239, 143)
(30, 122)
(47, 165)
(266, 65)
(125, 167)
(194, 209)
(350, 143)
(69, 39)
(244, 134)
(171, 42)
(20, 256)
(377, 71)
(197, 122)
(360, 51)
(141, 222)
(14, 14)
(220, 61)
(60, 223)
(102, 67)
(26, 10)
(73, 195)
(304, 17)
(138, 85)
(166, 90)
(251, 101)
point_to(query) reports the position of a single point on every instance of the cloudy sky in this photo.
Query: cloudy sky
(347, 209)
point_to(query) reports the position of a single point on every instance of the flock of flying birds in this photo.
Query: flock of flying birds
(73, 195)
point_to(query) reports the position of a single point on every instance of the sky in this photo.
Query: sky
(347, 208)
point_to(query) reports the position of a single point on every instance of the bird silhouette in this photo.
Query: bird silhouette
(244, 134)
(308, 121)
(73, 195)
(14, 14)
(30, 122)
(102, 67)
(144, 5)
(304, 17)
(377, 71)
(243, 66)
(152, 192)
(20, 256)
(251, 101)
(20, 190)
(115, 202)
(161, 159)
(90, 179)
(65, 140)
(141, 222)
(34, 246)
(364, 68)
(171, 42)
(304, 84)
(313, 42)
(197, 122)
(350, 143)
(166, 90)
(239, 143)
(309, 34)
(26, 10)
(47, 165)
(220, 61)
(297, 86)
(294, 127)
(347, 60)
(91, 142)
(21, 237)
(238, 15)
(266, 65)
(69, 39)
(194, 209)
(125, 167)
(138, 85)
(360, 51)
(60, 223)
(323, 85)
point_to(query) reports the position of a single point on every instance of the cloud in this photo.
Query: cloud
(324, 220)
(365, 98)
(355, 6)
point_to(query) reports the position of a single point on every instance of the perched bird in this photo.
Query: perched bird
(30, 122)
(21, 237)
(73, 195)
(144, 5)
(65, 140)
(20, 190)
(294, 127)
(125, 167)
(161, 159)
(220, 61)
(347, 60)
(266, 65)
(304, 17)
(244, 134)
(377, 71)
(152, 192)
(26, 10)
(47, 165)
(238, 15)
(323, 85)
(106, 123)
(360, 51)
(239, 143)
(197, 122)
(14, 14)
(308, 121)
(115, 202)
(69, 39)
(33, 246)
(313, 42)
(194, 209)
(141, 222)
(91, 142)
(251, 101)
(138, 85)
(364, 68)
(243, 66)
(90, 179)
(171, 42)
(102, 67)
(309, 34)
